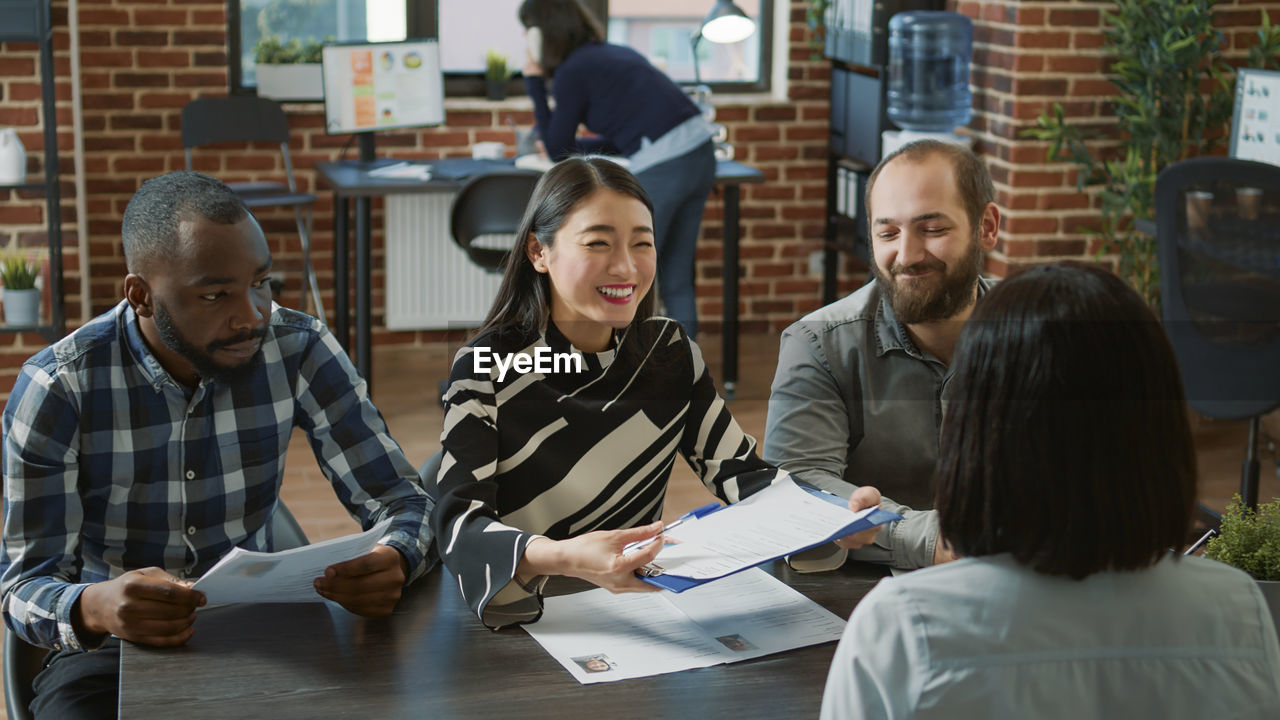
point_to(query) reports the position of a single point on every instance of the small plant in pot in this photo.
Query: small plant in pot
(496, 75)
(21, 296)
(1250, 540)
(289, 70)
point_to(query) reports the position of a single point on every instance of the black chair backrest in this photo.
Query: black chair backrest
(490, 204)
(22, 662)
(1218, 232)
(286, 533)
(233, 119)
(428, 472)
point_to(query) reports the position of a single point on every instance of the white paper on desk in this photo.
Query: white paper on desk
(245, 576)
(402, 171)
(779, 520)
(601, 637)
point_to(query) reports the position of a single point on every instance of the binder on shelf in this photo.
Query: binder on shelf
(857, 31)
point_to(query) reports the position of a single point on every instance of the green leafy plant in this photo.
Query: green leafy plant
(1249, 539)
(271, 50)
(815, 16)
(495, 67)
(1167, 53)
(16, 272)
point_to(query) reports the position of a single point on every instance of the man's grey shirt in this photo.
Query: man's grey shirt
(855, 402)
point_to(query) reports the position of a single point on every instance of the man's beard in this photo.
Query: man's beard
(928, 299)
(202, 360)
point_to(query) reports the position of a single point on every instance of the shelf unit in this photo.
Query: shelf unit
(29, 21)
(857, 44)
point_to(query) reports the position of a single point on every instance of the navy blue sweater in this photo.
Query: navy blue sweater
(615, 92)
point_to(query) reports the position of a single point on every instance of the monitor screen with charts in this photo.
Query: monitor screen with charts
(1255, 125)
(382, 86)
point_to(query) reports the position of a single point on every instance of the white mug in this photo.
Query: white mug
(488, 150)
(13, 158)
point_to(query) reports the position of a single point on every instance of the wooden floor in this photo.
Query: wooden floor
(404, 390)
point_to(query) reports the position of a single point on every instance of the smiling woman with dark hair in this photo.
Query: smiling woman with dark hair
(553, 470)
(1065, 476)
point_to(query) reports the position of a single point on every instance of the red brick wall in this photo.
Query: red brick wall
(1027, 56)
(142, 60)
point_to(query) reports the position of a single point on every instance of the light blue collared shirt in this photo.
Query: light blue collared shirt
(989, 638)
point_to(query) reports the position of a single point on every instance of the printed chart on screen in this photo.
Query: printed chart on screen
(382, 86)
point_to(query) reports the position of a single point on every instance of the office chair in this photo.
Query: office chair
(428, 472)
(206, 121)
(489, 204)
(1218, 234)
(23, 661)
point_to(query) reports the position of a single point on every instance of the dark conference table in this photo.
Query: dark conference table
(349, 182)
(433, 659)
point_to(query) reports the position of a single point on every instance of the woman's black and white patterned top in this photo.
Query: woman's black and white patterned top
(559, 454)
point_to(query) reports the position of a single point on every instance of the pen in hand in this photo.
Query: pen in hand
(691, 515)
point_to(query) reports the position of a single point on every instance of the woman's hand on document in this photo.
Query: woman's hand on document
(595, 557)
(861, 499)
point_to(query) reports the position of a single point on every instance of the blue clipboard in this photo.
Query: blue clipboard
(877, 517)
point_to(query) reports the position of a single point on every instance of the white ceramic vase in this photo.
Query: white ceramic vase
(302, 81)
(13, 158)
(22, 307)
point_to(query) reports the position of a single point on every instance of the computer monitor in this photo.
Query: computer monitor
(1255, 124)
(381, 86)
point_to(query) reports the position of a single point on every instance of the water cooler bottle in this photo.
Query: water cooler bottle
(928, 94)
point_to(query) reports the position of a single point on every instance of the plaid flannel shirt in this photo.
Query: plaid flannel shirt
(111, 465)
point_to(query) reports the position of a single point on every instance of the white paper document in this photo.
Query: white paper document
(245, 576)
(601, 637)
(779, 520)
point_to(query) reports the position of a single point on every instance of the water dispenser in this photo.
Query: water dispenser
(928, 94)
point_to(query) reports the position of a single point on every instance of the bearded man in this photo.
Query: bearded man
(859, 390)
(147, 444)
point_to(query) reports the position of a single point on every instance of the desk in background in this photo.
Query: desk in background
(348, 183)
(433, 658)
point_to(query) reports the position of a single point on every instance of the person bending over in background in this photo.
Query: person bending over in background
(638, 112)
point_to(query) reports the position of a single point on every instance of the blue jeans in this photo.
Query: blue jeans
(679, 188)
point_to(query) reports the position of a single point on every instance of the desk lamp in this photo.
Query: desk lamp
(726, 23)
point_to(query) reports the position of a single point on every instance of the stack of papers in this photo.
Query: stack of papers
(601, 637)
(402, 171)
(245, 576)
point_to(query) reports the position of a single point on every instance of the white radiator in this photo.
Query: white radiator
(431, 285)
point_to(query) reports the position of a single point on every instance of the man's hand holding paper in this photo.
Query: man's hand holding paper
(861, 499)
(369, 585)
(361, 572)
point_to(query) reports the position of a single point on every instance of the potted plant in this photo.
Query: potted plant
(1174, 103)
(21, 296)
(289, 70)
(1250, 540)
(496, 75)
